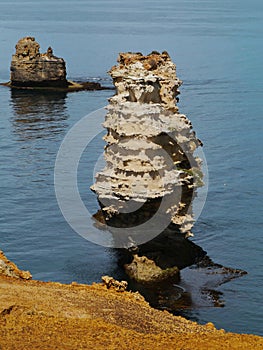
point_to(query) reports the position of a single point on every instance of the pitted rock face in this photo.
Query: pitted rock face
(147, 79)
(150, 146)
(30, 68)
(27, 48)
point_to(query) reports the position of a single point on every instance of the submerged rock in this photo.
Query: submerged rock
(145, 270)
(31, 69)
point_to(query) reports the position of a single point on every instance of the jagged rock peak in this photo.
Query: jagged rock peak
(27, 48)
(150, 62)
(146, 79)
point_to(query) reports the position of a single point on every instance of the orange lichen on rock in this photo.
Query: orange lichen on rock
(150, 62)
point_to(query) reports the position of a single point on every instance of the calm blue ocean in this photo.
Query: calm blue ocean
(217, 46)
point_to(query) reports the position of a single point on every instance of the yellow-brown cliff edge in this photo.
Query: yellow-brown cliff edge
(48, 315)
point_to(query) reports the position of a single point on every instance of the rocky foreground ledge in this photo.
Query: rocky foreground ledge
(45, 315)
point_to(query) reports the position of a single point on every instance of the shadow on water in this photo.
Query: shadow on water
(38, 114)
(195, 286)
(171, 271)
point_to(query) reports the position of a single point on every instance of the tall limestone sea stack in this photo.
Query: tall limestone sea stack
(151, 172)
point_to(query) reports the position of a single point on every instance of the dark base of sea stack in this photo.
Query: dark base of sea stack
(43, 83)
(131, 218)
(68, 86)
(159, 259)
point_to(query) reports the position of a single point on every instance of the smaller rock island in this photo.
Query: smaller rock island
(31, 69)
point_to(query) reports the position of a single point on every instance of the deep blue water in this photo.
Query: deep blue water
(217, 47)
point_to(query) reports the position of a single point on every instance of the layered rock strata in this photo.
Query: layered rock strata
(31, 69)
(151, 170)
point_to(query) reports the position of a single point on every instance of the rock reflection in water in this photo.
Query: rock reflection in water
(38, 114)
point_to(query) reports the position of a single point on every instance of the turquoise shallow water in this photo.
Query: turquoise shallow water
(218, 51)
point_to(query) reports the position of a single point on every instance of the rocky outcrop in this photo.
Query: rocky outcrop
(9, 269)
(150, 160)
(29, 67)
(145, 270)
(111, 283)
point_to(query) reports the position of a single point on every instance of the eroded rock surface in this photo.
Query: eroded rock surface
(151, 173)
(110, 282)
(150, 167)
(9, 269)
(145, 270)
(29, 67)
